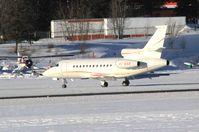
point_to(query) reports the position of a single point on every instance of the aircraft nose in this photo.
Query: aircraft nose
(46, 73)
(49, 72)
(52, 72)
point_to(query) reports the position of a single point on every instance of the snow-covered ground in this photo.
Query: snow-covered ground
(144, 112)
(123, 112)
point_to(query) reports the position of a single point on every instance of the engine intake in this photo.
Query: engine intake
(29, 63)
(168, 62)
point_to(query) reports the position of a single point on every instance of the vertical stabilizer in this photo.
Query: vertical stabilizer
(154, 46)
(157, 40)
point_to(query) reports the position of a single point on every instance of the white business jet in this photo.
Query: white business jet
(134, 62)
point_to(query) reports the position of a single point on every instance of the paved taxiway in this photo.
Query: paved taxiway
(183, 79)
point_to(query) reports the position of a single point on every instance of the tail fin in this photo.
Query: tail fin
(153, 48)
(155, 45)
(157, 40)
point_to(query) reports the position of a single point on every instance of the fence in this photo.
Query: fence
(128, 33)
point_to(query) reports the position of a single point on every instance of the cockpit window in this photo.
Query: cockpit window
(57, 64)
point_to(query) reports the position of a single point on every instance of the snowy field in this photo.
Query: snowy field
(123, 112)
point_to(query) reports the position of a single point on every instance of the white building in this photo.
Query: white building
(82, 29)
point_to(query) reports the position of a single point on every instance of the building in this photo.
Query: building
(89, 29)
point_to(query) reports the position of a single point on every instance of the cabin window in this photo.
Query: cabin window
(73, 66)
(93, 65)
(57, 65)
(100, 65)
(96, 65)
(89, 65)
(104, 65)
(80, 66)
(83, 65)
(86, 65)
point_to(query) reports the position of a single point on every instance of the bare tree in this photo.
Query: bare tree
(71, 12)
(118, 12)
(173, 33)
(74, 26)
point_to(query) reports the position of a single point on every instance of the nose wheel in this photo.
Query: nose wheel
(126, 82)
(64, 85)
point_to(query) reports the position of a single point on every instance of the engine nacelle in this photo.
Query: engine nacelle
(29, 63)
(128, 64)
(155, 62)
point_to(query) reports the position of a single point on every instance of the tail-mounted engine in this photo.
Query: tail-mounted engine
(128, 64)
(26, 61)
(29, 63)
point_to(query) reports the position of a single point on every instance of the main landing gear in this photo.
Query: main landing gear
(64, 85)
(126, 82)
(104, 83)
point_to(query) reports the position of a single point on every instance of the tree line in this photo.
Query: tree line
(21, 18)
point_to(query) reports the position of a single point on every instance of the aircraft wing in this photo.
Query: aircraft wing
(150, 75)
(141, 76)
(98, 76)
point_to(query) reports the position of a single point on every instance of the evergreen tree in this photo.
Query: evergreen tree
(45, 11)
(100, 8)
(188, 8)
(17, 19)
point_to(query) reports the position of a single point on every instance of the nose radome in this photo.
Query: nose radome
(46, 73)
(52, 72)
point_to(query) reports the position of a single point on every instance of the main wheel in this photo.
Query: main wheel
(126, 82)
(104, 84)
(64, 86)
